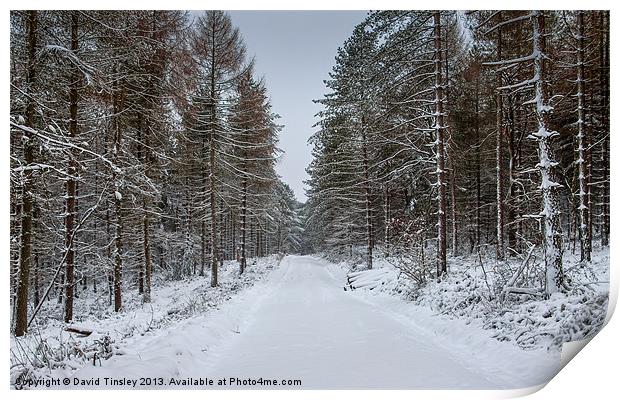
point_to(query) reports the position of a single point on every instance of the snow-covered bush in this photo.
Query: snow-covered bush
(477, 292)
(408, 250)
(507, 297)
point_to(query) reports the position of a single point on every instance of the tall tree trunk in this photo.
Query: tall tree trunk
(21, 308)
(118, 260)
(222, 236)
(449, 156)
(369, 241)
(244, 199)
(203, 244)
(108, 230)
(499, 156)
(146, 225)
(203, 222)
(37, 279)
(581, 146)
(478, 222)
(550, 213)
(118, 100)
(455, 243)
(148, 266)
(233, 246)
(605, 118)
(440, 150)
(212, 194)
(512, 164)
(141, 157)
(71, 181)
(386, 221)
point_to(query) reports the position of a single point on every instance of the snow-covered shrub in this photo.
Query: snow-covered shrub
(551, 323)
(408, 251)
(475, 290)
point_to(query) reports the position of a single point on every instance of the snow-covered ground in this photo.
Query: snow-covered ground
(50, 351)
(472, 292)
(298, 327)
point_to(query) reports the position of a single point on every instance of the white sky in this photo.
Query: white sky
(294, 52)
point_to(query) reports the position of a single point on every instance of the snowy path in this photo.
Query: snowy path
(299, 323)
(311, 329)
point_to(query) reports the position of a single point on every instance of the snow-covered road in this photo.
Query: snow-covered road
(309, 328)
(300, 324)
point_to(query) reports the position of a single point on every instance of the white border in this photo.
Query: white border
(592, 374)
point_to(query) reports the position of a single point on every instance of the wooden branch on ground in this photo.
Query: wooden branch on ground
(79, 331)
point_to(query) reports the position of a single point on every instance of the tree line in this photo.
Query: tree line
(140, 141)
(445, 132)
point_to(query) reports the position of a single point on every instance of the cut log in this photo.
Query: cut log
(79, 330)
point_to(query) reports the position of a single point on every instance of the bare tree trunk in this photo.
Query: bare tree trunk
(257, 250)
(222, 231)
(369, 241)
(455, 243)
(36, 215)
(212, 198)
(244, 204)
(148, 266)
(71, 181)
(550, 213)
(118, 261)
(109, 251)
(512, 164)
(581, 146)
(499, 156)
(386, 222)
(478, 222)
(440, 150)
(449, 156)
(118, 100)
(21, 308)
(233, 235)
(605, 117)
(146, 225)
(203, 223)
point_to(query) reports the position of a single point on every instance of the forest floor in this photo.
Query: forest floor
(297, 326)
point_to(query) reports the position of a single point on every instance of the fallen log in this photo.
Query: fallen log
(79, 330)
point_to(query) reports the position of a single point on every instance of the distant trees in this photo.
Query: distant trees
(352, 111)
(477, 121)
(127, 142)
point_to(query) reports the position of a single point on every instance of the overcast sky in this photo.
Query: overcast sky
(294, 52)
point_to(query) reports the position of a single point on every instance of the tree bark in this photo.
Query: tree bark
(148, 266)
(455, 242)
(605, 118)
(581, 145)
(552, 237)
(118, 100)
(71, 180)
(440, 149)
(386, 238)
(478, 223)
(242, 262)
(499, 156)
(369, 241)
(21, 308)
(212, 180)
